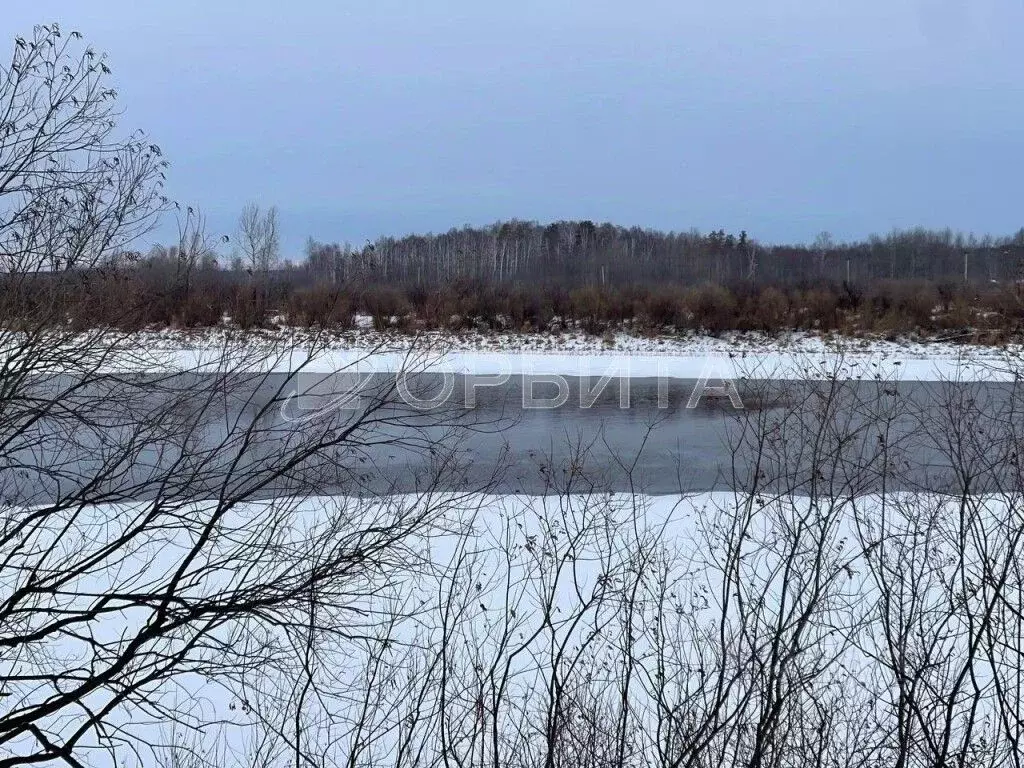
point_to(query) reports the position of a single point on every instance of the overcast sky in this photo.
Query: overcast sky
(385, 117)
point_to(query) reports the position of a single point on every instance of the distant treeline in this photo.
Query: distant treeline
(575, 253)
(520, 276)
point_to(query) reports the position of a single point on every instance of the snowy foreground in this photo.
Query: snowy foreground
(561, 630)
(793, 356)
(634, 624)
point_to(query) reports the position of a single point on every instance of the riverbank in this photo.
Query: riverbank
(787, 356)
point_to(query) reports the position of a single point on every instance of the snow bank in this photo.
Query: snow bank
(793, 356)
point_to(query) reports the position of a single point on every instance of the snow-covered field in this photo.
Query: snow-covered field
(509, 585)
(791, 356)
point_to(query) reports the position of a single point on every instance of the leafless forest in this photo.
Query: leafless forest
(524, 277)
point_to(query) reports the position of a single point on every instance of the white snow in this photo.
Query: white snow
(523, 550)
(792, 356)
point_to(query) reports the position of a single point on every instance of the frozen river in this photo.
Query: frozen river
(892, 436)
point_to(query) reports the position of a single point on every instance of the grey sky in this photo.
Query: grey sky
(383, 117)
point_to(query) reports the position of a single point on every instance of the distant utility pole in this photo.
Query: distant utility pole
(847, 270)
(965, 266)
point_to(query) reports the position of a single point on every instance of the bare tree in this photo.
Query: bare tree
(258, 238)
(197, 249)
(162, 550)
